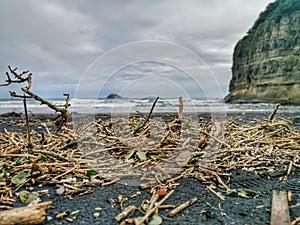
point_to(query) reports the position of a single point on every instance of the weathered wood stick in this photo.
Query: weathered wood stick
(280, 209)
(295, 206)
(294, 222)
(126, 212)
(153, 200)
(215, 193)
(166, 207)
(180, 108)
(182, 207)
(148, 117)
(271, 117)
(34, 214)
(27, 122)
(110, 182)
(290, 168)
(175, 178)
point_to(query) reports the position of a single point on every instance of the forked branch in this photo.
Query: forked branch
(25, 76)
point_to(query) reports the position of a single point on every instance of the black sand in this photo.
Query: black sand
(209, 209)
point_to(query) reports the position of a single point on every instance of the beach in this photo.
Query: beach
(173, 113)
(85, 197)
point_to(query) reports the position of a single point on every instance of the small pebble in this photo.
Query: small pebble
(49, 218)
(30, 188)
(120, 198)
(96, 215)
(60, 191)
(71, 219)
(136, 194)
(74, 212)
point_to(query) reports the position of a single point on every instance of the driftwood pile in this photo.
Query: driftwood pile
(157, 150)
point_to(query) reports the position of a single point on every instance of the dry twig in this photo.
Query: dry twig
(182, 207)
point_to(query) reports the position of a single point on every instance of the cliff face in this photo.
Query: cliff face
(266, 62)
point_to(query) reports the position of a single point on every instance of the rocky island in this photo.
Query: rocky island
(113, 96)
(266, 62)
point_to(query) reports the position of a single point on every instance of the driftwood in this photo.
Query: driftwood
(271, 117)
(182, 207)
(27, 123)
(62, 118)
(125, 213)
(147, 118)
(180, 110)
(280, 209)
(28, 215)
(18, 77)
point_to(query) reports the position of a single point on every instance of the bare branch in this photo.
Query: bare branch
(18, 76)
(21, 78)
(14, 94)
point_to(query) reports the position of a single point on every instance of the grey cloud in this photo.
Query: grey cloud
(60, 40)
(165, 79)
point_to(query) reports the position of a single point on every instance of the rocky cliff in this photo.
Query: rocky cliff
(266, 62)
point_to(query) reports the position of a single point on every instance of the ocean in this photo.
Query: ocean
(124, 105)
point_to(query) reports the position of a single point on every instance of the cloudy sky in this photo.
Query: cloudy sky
(135, 48)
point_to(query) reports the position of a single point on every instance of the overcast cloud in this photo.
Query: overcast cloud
(90, 48)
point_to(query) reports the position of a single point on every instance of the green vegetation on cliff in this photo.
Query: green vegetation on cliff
(275, 11)
(266, 61)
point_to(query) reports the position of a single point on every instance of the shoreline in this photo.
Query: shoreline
(240, 117)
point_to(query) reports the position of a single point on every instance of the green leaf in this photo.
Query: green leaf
(241, 192)
(159, 156)
(249, 192)
(144, 206)
(186, 124)
(20, 178)
(17, 160)
(43, 157)
(129, 154)
(90, 173)
(53, 159)
(189, 170)
(138, 126)
(27, 197)
(232, 192)
(156, 220)
(3, 173)
(142, 155)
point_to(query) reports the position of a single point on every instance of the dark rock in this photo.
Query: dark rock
(11, 114)
(113, 96)
(266, 62)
